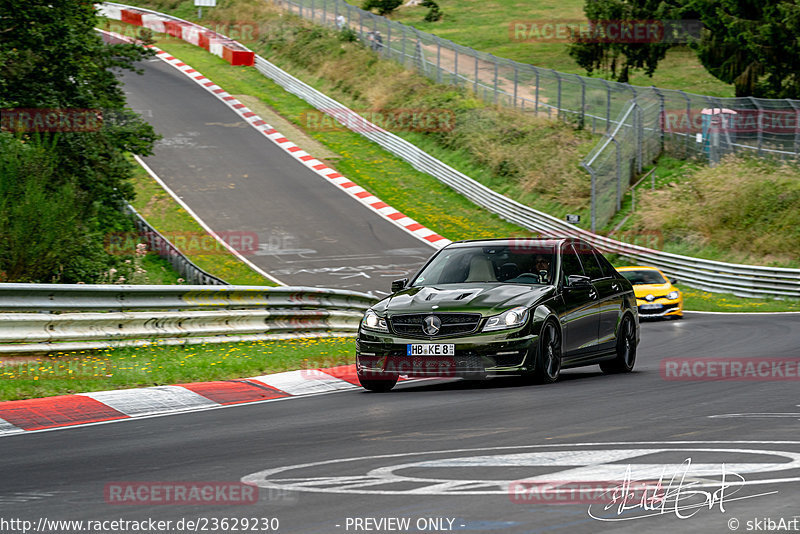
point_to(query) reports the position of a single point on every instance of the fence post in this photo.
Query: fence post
(688, 123)
(438, 59)
(360, 24)
(336, 14)
(455, 74)
(619, 173)
(388, 45)
(594, 195)
(403, 46)
(558, 104)
(516, 82)
(496, 66)
(324, 12)
(582, 115)
(608, 104)
(476, 72)
(661, 110)
(796, 127)
(536, 101)
(349, 17)
(760, 129)
(313, 11)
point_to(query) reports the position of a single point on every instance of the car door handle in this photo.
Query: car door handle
(593, 293)
(615, 286)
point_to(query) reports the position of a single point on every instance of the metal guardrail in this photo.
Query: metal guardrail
(739, 279)
(177, 314)
(163, 247)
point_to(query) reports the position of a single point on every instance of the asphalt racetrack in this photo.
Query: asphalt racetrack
(240, 183)
(452, 450)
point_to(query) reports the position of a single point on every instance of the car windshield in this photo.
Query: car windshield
(508, 264)
(644, 276)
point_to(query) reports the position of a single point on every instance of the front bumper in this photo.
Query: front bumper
(659, 308)
(476, 356)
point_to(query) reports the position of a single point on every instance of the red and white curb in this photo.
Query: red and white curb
(17, 417)
(331, 175)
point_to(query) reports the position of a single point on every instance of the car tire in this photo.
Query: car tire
(548, 356)
(626, 349)
(378, 385)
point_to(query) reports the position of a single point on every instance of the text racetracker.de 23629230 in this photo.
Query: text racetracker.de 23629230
(400, 524)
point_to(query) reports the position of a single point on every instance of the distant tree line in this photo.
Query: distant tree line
(64, 138)
(752, 44)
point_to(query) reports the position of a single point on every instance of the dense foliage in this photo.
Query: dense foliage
(61, 188)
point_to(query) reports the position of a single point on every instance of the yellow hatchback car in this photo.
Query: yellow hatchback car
(655, 294)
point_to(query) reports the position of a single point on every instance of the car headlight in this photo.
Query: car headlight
(508, 319)
(672, 295)
(373, 321)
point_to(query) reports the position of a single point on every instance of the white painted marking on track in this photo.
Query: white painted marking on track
(605, 464)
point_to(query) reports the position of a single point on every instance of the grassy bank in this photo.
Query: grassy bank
(154, 365)
(176, 224)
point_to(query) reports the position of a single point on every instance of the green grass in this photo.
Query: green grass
(176, 224)
(698, 300)
(157, 365)
(485, 25)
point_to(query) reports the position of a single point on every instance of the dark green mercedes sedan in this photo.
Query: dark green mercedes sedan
(526, 307)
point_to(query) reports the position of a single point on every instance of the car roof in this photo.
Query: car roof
(548, 241)
(638, 268)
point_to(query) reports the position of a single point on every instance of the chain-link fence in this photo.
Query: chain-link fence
(637, 123)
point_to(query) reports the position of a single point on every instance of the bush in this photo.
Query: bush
(384, 7)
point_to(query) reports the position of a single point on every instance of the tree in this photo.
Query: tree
(606, 46)
(52, 59)
(752, 44)
(384, 7)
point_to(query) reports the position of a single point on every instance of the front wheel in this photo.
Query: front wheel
(548, 356)
(378, 385)
(626, 349)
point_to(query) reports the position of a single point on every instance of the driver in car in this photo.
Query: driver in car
(543, 268)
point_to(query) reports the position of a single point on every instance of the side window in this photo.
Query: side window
(591, 265)
(608, 269)
(570, 264)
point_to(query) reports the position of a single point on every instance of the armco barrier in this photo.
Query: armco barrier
(741, 280)
(176, 314)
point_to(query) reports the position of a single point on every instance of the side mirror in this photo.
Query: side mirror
(577, 281)
(674, 281)
(398, 285)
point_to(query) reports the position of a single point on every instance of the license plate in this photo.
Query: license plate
(650, 306)
(431, 349)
